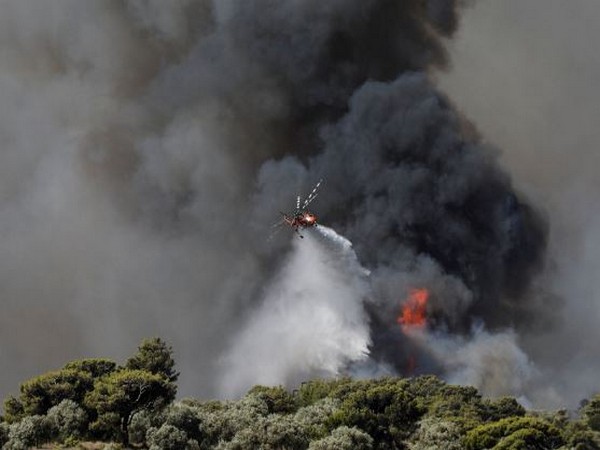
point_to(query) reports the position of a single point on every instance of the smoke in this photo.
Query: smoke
(147, 146)
(311, 321)
(541, 82)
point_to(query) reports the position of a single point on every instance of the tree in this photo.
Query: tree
(277, 399)
(117, 396)
(344, 438)
(41, 393)
(514, 433)
(155, 356)
(382, 408)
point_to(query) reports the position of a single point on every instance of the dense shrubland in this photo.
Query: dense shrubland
(133, 405)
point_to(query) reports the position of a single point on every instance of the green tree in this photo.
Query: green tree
(312, 391)
(155, 356)
(382, 408)
(277, 399)
(41, 393)
(514, 433)
(119, 395)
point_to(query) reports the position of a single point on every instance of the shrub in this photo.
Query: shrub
(67, 420)
(4, 428)
(382, 408)
(513, 433)
(29, 432)
(141, 422)
(167, 437)
(344, 438)
(277, 399)
(434, 434)
(269, 433)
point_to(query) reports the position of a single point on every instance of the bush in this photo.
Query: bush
(185, 418)
(514, 433)
(436, 434)
(314, 418)
(30, 432)
(277, 399)
(344, 438)
(269, 433)
(167, 437)
(312, 391)
(382, 408)
(141, 422)
(4, 428)
(67, 420)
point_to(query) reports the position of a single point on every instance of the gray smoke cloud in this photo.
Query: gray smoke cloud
(536, 98)
(148, 145)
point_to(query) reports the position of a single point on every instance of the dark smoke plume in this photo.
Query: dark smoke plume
(147, 145)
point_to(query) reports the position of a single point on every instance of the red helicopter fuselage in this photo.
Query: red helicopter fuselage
(301, 220)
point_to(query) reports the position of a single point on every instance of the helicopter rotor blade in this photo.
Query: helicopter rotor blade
(313, 194)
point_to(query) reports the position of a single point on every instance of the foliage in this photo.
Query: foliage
(501, 408)
(67, 420)
(514, 433)
(269, 433)
(312, 391)
(591, 413)
(277, 399)
(435, 434)
(384, 409)
(344, 438)
(30, 432)
(4, 428)
(184, 418)
(141, 422)
(117, 396)
(13, 409)
(96, 367)
(156, 357)
(96, 398)
(314, 418)
(41, 393)
(167, 437)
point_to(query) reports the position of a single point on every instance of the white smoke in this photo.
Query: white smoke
(311, 321)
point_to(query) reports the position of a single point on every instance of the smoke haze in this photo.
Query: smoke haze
(147, 146)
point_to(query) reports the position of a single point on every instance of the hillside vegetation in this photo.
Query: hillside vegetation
(133, 405)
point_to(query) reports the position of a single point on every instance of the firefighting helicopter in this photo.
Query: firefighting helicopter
(301, 218)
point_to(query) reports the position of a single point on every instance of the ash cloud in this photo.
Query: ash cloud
(147, 146)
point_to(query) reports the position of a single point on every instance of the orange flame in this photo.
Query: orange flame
(414, 310)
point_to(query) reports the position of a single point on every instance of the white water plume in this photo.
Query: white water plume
(311, 321)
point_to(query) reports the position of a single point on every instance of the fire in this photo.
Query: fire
(414, 310)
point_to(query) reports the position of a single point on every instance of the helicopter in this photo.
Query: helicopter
(301, 218)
